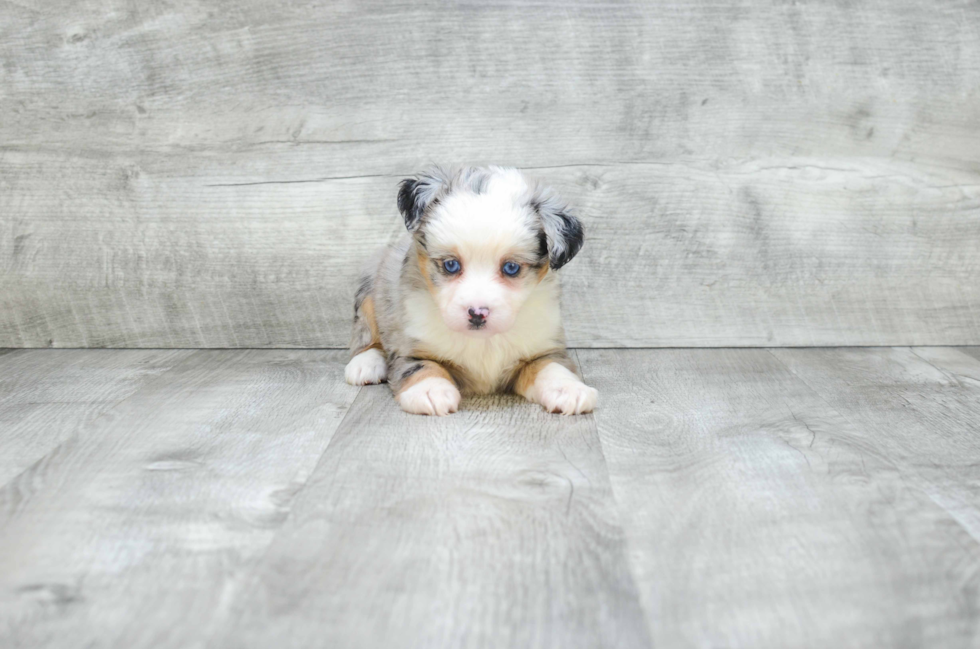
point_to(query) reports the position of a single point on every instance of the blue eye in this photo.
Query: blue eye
(511, 269)
(451, 266)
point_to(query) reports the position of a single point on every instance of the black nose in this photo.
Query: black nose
(477, 316)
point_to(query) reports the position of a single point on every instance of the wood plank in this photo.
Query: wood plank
(776, 252)
(971, 351)
(784, 256)
(137, 531)
(758, 515)
(923, 404)
(493, 527)
(507, 77)
(786, 175)
(46, 396)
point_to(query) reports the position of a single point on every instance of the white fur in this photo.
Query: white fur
(559, 390)
(367, 367)
(485, 218)
(484, 224)
(482, 231)
(481, 288)
(536, 329)
(431, 396)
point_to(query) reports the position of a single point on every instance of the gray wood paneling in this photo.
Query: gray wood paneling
(46, 396)
(923, 407)
(718, 498)
(136, 530)
(494, 527)
(971, 351)
(759, 515)
(211, 174)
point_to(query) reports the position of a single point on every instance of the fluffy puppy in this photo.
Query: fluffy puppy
(467, 300)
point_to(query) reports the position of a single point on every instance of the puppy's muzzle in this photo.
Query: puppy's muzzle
(478, 316)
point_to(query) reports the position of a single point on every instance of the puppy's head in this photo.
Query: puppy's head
(485, 239)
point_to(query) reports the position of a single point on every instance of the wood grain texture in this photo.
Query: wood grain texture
(719, 498)
(971, 351)
(136, 530)
(211, 175)
(46, 397)
(922, 404)
(494, 527)
(757, 515)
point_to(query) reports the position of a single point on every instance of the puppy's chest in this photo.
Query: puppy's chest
(482, 366)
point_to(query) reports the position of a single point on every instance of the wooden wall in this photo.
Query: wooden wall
(211, 174)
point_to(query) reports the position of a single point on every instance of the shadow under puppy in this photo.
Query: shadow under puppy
(468, 299)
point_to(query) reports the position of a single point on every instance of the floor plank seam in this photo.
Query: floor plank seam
(238, 607)
(617, 504)
(948, 374)
(816, 393)
(915, 478)
(260, 532)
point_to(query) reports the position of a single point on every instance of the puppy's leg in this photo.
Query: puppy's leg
(423, 387)
(552, 382)
(367, 364)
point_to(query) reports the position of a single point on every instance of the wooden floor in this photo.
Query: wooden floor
(717, 498)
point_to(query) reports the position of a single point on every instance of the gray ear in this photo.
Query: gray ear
(563, 232)
(417, 194)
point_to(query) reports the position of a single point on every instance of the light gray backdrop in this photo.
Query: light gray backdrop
(211, 174)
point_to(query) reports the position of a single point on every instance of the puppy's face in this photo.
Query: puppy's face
(482, 259)
(484, 241)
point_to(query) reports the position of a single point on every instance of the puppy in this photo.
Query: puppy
(467, 300)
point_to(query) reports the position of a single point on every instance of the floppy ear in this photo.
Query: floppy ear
(563, 232)
(415, 195)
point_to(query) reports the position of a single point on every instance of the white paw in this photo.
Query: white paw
(431, 396)
(558, 390)
(367, 367)
(568, 397)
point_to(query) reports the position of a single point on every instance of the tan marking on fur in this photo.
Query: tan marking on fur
(376, 345)
(543, 271)
(430, 369)
(528, 373)
(366, 313)
(456, 373)
(423, 260)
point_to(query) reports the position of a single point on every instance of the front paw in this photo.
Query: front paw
(431, 396)
(366, 368)
(567, 397)
(558, 389)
